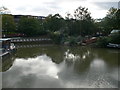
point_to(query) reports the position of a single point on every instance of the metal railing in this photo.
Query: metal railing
(30, 39)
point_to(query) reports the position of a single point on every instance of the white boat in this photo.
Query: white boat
(113, 45)
(6, 46)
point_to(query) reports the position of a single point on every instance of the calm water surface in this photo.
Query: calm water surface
(61, 67)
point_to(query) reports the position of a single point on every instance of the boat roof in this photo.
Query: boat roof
(5, 39)
(115, 31)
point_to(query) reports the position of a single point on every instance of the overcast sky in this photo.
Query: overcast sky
(97, 8)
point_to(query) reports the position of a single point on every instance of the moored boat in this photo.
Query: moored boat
(111, 45)
(6, 47)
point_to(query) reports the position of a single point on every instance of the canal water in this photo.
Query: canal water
(54, 66)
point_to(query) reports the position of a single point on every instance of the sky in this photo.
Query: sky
(97, 8)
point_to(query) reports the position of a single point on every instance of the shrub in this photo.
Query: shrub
(56, 37)
(103, 41)
(72, 41)
(115, 38)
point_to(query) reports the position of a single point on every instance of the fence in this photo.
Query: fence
(30, 40)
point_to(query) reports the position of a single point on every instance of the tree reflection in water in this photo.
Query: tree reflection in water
(61, 66)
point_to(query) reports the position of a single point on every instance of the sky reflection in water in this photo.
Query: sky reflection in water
(42, 72)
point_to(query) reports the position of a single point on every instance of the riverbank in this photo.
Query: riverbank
(98, 42)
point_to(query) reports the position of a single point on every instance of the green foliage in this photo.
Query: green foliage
(42, 30)
(103, 41)
(54, 23)
(87, 27)
(70, 28)
(115, 38)
(72, 41)
(73, 27)
(82, 24)
(117, 19)
(111, 21)
(29, 26)
(8, 23)
(81, 13)
(56, 37)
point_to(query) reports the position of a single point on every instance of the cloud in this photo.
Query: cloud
(103, 0)
(106, 5)
(98, 8)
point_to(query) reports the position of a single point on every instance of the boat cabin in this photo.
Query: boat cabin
(6, 46)
(114, 32)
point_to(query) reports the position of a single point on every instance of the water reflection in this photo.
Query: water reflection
(62, 67)
(7, 62)
(25, 72)
(97, 63)
(40, 66)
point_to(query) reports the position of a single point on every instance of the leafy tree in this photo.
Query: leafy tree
(42, 30)
(54, 23)
(28, 26)
(103, 42)
(81, 13)
(117, 17)
(69, 16)
(8, 23)
(111, 20)
(56, 37)
(84, 24)
(81, 24)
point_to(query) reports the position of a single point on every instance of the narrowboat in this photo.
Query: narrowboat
(6, 47)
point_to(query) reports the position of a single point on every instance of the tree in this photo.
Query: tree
(84, 23)
(54, 23)
(111, 21)
(8, 23)
(4, 10)
(69, 16)
(42, 30)
(117, 14)
(81, 13)
(28, 26)
(81, 24)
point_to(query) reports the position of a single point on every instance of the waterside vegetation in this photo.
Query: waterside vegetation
(74, 29)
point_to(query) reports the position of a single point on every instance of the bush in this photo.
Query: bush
(103, 41)
(115, 38)
(56, 37)
(72, 41)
